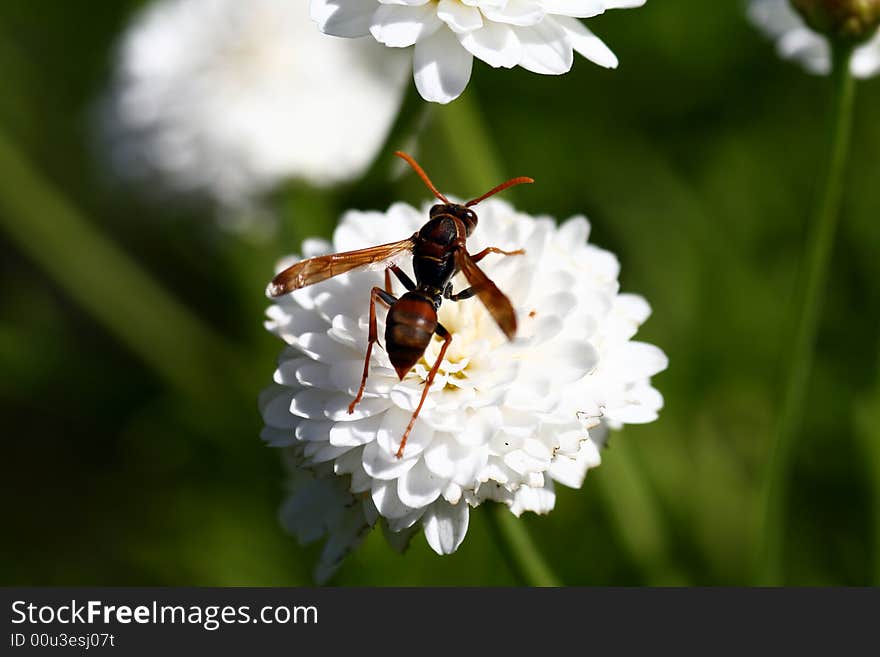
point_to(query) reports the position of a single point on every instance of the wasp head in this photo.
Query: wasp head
(467, 216)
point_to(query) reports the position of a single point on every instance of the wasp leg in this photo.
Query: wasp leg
(447, 339)
(469, 292)
(494, 249)
(466, 293)
(388, 299)
(401, 276)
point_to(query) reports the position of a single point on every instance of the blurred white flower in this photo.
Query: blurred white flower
(796, 41)
(504, 420)
(228, 98)
(539, 35)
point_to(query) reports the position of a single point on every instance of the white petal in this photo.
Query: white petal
(631, 414)
(309, 431)
(445, 525)
(601, 263)
(567, 361)
(348, 463)
(305, 372)
(536, 500)
(419, 486)
(361, 482)
(642, 405)
(496, 44)
(380, 464)
(336, 407)
(311, 247)
(537, 449)
(574, 231)
(633, 307)
(522, 463)
(314, 505)
(399, 27)
(406, 394)
(354, 433)
(452, 493)
(623, 4)
(577, 8)
(342, 540)
(385, 498)
(290, 325)
(480, 427)
(277, 437)
(439, 457)
(865, 61)
(516, 12)
(469, 464)
(310, 403)
(390, 434)
(321, 452)
(587, 43)
(346, 375)
(571, 471)
(636, 360)
(323, 348)
(545, 48)
(399, 540)
(459, 17)
(405, 521)
(343, 18)
(441, 67)
(275, 407)
(495, 472)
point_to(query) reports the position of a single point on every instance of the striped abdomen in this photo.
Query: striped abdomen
(408, 330)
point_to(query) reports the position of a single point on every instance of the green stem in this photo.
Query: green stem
(109, 285)
(412, 115)
(517, 547)
(472, 153)
(868, 433)
(635, 514)
(867, 425)
(769, 557)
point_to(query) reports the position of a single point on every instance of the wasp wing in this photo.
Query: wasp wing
(315, 270)
(495, 300)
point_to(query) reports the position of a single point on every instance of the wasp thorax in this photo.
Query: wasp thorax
(852, 21)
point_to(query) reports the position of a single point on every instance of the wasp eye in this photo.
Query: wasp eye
(436, 209)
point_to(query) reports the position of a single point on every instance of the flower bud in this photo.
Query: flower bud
(851, 21)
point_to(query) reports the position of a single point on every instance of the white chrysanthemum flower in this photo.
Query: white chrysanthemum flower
(229, 98)
(504, 420)
(539, 35)
(796, 41)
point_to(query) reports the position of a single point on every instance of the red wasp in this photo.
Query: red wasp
(439, 253)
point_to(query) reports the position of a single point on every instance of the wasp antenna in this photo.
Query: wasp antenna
(424, 176)
(500, 188)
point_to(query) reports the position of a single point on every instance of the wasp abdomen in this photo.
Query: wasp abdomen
(408, 330)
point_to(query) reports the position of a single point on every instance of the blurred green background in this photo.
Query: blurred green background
(696, 163)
